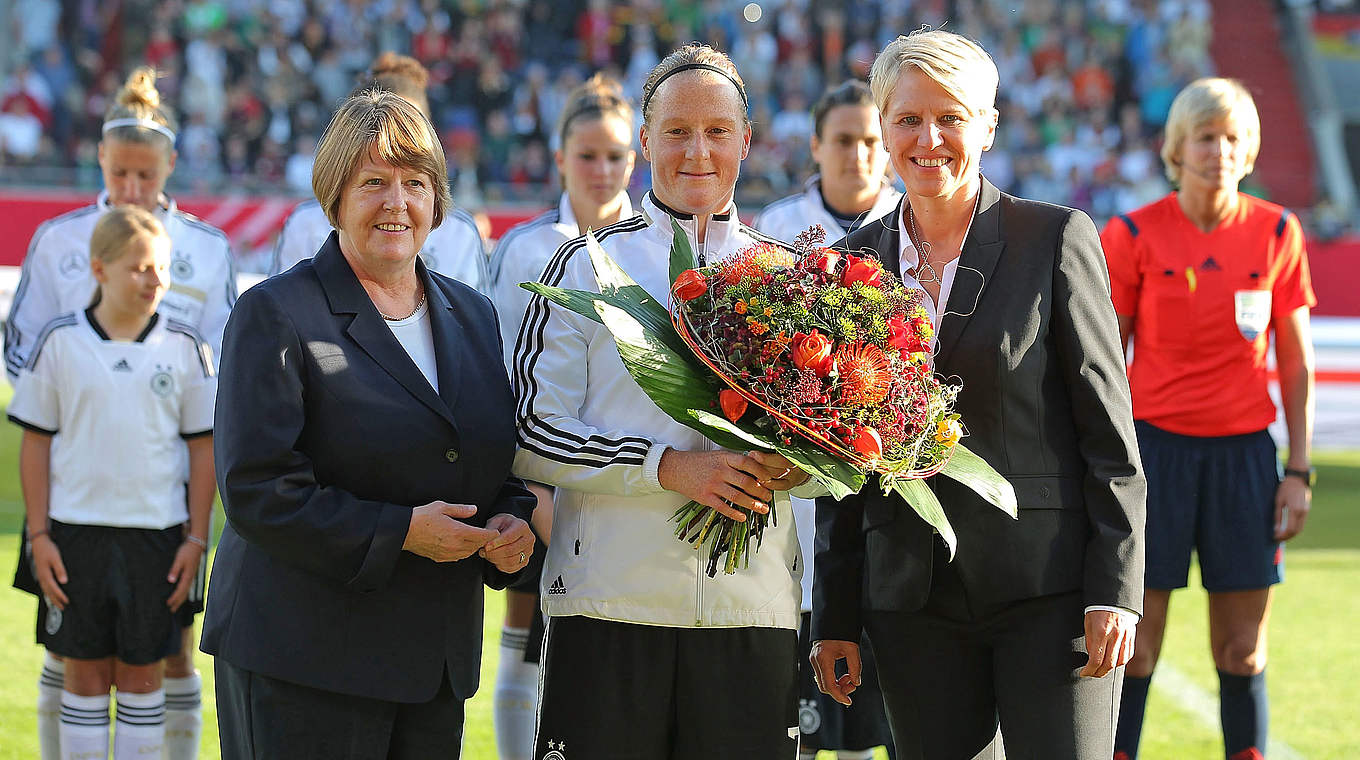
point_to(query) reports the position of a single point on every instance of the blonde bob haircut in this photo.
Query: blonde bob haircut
(1203, 101)
(388, 127)
(956, 63)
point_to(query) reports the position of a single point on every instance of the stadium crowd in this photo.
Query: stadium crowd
(1088, 83)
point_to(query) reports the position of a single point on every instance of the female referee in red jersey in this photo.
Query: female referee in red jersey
(1199, 279)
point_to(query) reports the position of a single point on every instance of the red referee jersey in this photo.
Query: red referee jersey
(1203, 305)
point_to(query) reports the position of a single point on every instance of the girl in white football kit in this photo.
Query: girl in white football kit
(107, 399)
(454, 249)
(595, 161)
(136, 158)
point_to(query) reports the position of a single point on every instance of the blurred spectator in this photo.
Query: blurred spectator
(1089, 81)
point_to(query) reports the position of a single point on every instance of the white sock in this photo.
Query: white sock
(140, 730)
(84, 727)
(49, 706)
(515, 707)
(859, 754)
(183, 716)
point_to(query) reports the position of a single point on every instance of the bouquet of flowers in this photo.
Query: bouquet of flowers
(819, 355)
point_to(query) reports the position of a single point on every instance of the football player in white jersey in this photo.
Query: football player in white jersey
(454, 249)
(850, 190)
(136, 157)
(108, 398)
(595, 161)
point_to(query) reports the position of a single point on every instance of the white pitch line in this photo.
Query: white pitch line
(1203, 706)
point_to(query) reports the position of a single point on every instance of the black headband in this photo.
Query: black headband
(690, 67)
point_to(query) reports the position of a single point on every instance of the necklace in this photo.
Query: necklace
(925, 270)
(408, 316)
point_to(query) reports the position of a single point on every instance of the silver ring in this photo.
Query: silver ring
(521, 557)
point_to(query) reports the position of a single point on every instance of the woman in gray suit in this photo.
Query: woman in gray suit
(1033, 617)
(364, 445)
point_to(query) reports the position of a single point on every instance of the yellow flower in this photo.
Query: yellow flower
(948, 432)
(739, 307)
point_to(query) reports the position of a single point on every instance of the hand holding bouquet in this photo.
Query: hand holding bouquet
(819, 355)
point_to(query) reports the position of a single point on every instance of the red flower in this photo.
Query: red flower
(827, 260)
(905, 336)
(867, 443)
(812, 352)
(733, 404)
(689, 285)
(863, 270)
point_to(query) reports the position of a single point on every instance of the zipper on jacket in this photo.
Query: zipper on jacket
(699, 570)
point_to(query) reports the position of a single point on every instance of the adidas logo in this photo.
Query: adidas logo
(122, 366)
(557, 587)
(1210, 265)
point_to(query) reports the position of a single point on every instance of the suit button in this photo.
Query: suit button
(1044, 492)
(451, 455)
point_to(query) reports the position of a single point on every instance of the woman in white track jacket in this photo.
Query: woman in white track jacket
(637, 631)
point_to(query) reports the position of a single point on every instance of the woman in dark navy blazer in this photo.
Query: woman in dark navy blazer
(364, 442)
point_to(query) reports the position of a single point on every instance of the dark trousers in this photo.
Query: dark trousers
(620, 691)
(950, 670)
(263, 718)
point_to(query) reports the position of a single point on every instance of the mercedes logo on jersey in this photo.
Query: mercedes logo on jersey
(74, 264)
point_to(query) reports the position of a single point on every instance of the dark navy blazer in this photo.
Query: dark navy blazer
(327, 435)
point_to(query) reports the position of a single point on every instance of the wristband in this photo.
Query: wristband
(37, 533)
(1308, 476)
(192, 539)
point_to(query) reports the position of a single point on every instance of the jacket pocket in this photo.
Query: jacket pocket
(1047, 491)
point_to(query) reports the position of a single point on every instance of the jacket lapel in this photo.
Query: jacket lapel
(369, 332)
(447, 325)
(981, 251)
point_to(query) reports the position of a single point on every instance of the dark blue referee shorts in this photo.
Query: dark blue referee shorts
(1216, 496)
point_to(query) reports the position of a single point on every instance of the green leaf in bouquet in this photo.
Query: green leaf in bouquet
(916, 493)
(618, 289)
(682, 256)
(839, 478)
(665, 375)
(973, 471)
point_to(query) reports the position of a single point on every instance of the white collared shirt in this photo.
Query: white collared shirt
(909, 258)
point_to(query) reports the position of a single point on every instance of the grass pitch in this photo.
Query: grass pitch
(1314, 670)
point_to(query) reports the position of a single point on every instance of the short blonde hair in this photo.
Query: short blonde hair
(958, 64)
(1202, 101)
(120, 226)
(388, 125)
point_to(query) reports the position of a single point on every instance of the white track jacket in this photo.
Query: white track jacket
(587, 428)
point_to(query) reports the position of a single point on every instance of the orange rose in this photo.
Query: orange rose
(733, 404)
(863, 270)
(867, 442)
(689, 285)
(812, 352)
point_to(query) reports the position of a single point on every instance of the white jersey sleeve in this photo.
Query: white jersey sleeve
(467, 261)
(198, 381)
(38, 299)
(302, 235)
(557, 446)
(519, 257)
(37, 400)
(221, 294)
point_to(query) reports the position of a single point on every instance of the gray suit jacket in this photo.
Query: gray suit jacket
(1045, 401)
